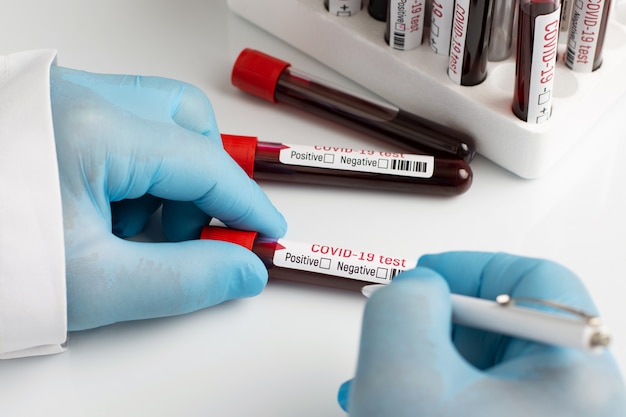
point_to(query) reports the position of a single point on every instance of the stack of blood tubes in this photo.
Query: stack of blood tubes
(340, 166)
(275, 80)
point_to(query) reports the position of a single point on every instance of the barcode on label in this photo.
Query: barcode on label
(394, 272)
(409, 166)
(570, 56)
(398, 40)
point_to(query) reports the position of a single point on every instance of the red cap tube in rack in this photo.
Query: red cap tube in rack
(343, 8)
(276, 81)
(404, 27)
(378, 9)
(535, 64)
(339, 166)
(469, 43)
(587, 27)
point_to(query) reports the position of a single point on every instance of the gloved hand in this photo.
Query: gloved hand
(138, 142)
(413, 362)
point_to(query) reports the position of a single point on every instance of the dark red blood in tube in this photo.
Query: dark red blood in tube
(261, 160)
(378, 9)
(529, 10)
(265, 248)
(274, 80)
(471, 18)
(451, 176)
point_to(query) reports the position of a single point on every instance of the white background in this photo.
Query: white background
(285, 352)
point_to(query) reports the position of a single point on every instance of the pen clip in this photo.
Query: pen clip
(600, 337)
(506, 300)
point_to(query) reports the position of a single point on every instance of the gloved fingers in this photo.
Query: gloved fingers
(560, 381)
(121, 137)
(243, 205)
(343, 395)
(130, 217)
(180, 165)
(151, 98)
(405, 351)
(408, 367)
(205, 174)
(188, 106)
(135, 280)
(182, 220)
(487, 275)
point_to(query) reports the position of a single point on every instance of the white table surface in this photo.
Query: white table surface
(285, 352)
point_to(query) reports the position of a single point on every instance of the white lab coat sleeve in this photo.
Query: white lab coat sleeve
(33, 313)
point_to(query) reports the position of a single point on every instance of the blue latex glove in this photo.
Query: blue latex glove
(138, 142)
(409, 365)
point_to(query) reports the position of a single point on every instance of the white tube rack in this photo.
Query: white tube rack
(417, 81)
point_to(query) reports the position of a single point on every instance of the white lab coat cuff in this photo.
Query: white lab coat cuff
(33, 313)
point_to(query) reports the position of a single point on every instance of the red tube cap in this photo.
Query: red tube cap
(239, 237)
(242, 149)
(257, 73)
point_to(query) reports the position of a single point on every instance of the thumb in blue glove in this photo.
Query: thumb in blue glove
(136, 143)
(414, 362)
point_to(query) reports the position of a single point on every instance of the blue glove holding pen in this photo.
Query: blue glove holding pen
(125, 146)
(414, 362)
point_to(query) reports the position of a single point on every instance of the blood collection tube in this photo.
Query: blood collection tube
(441, 26)
(502, 29)
(469, 44)
(537, 42)
(367, 271)
(566, 13)
(274, 80)
(343, 7)
(587, 27)
(315, 263)
(405, 24)
(341, 166)
(378, 9)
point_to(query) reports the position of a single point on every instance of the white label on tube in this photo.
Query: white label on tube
(406, 23)
(542, 69)
(339, 261)
(441, 26)
(457, 41)
(584, 32)
(347, 159)
(344, 7)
